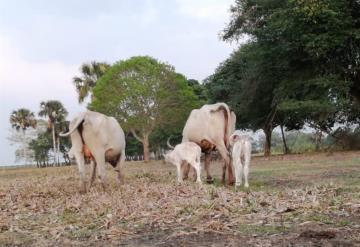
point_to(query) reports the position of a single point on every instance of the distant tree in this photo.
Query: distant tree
(304, 61)
(91, 72)
(22, 119)
(65, 145)
(56, 114)
(144, 94)
(247, 81)
(41, 147)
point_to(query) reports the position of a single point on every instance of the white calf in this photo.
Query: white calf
(186, 152)
(241, 155)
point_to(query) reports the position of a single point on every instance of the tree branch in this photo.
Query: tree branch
(136, 136)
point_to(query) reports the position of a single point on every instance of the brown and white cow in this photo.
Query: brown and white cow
(210, 127)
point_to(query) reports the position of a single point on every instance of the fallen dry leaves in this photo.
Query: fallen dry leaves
(44, 208)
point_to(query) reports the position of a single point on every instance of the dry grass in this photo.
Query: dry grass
(288, 196)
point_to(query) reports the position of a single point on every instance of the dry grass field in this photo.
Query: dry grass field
(294, 200)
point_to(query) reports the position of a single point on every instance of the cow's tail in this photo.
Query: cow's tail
(79, 120)
(225, 109)
(168, 143)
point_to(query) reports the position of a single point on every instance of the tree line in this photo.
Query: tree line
(299, 67)
(47, 141)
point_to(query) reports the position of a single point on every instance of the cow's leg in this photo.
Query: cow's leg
(209, 179)
(81, 167)
(93, 172)
(225, 155)
(118, 168)
(100, 165)
(185, 169)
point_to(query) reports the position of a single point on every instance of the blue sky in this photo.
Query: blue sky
(43, 43)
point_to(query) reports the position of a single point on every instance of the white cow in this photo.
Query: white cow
(241, 155)
(185, 153)
(210, 127)
(100, 139)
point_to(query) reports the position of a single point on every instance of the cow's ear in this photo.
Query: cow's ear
(235, 138)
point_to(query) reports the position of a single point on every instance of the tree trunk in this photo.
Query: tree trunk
(24, 147)
(318, 135)
(145, 142)
(54, 143)
(267, 144)
(58, 151)
(286, 149)
(146, 147)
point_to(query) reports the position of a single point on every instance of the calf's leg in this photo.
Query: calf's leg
(185, 168)
(197, 167)
(178, 167)
(246, 169)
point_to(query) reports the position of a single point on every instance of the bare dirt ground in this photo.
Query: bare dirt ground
(294, 200)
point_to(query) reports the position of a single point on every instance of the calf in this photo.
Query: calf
(241, 155)
(186, 152)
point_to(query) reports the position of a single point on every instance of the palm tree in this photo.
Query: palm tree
(91, 72)
(56, 113)
(22, 119)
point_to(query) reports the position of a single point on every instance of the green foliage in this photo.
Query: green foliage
(56, 114)
(299, 66)
(41, 147)
(312, 38)
(133, 147)
(199, 90)
(53, 110)
(241, 81)
(144, 94)
(138, 90)
(247, 82)
(344, 138)
(300, 142)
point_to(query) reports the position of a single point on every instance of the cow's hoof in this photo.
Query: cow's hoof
(209, 180)
(231, 183)
(83, 188)
(105, 187)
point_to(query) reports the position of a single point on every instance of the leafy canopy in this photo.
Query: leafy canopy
(143, 94)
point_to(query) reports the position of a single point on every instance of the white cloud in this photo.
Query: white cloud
(205, 9)
(35, 81)
(25, 84)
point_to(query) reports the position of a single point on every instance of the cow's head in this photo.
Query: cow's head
(234, 138)
(168, 156)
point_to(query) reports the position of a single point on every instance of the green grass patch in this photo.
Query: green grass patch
(260, 229)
